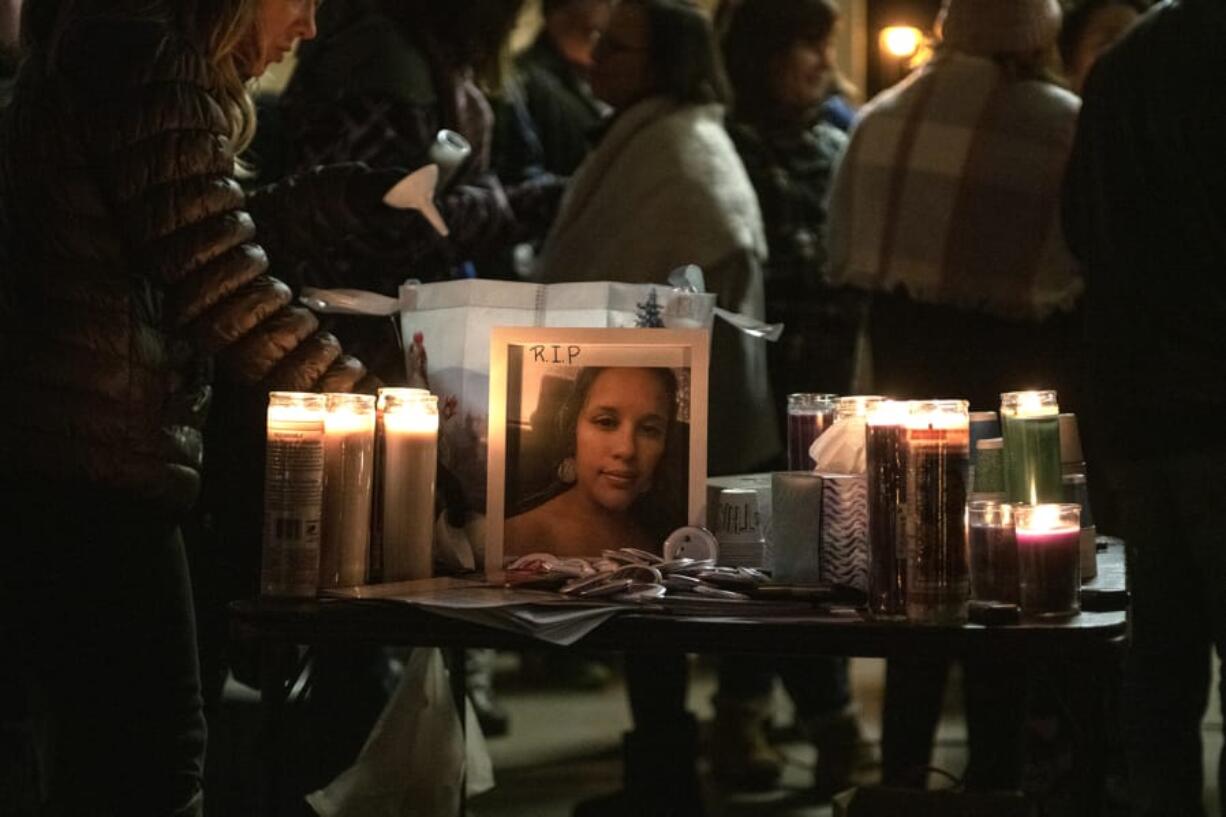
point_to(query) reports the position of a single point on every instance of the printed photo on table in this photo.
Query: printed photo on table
(597, 439)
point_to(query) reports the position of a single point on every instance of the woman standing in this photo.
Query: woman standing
(664, 188)
(781, 65)
(132, 283)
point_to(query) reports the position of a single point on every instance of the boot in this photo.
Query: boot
(741, 756)
(840, 751)
(660, 771)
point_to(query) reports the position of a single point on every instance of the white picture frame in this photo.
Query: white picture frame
(536, 418)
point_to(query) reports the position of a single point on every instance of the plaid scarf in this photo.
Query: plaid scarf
(950, 190)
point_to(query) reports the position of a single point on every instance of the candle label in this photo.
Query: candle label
(938, 574)
(885, 458)
(293, 498)
(1033, 472)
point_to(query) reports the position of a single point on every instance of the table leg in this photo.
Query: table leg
(280, 669)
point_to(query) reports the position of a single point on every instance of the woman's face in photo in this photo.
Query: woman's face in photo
(620, 436)
(801, 74)
(279, 24)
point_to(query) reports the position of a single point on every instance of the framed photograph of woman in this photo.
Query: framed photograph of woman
(598, 439)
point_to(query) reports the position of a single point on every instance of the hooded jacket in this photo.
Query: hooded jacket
(132, 269)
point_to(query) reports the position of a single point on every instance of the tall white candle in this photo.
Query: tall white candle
(349, 457)
(293, 494)
(410, 457)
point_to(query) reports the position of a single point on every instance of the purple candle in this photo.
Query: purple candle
(1049, 558)
(993, 546)
(808, 416)
(886, 463)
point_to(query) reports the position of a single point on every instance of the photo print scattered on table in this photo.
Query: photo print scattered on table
(597, 439)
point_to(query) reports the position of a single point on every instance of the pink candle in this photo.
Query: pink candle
(1049, 558)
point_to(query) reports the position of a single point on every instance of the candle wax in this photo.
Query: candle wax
(804, 427)
(1049, 564)
(993, 563)
(409, 467)
(348, 474)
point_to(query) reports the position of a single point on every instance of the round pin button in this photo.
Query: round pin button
(691, 543)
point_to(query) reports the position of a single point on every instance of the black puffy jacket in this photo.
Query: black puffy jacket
(131, 269)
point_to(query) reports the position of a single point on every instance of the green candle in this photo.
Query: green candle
(1030, 425)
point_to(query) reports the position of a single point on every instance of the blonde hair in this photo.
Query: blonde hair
(222, 30)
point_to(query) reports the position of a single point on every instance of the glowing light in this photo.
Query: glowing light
(900, 42)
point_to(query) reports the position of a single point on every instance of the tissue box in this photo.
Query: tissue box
(843, 554)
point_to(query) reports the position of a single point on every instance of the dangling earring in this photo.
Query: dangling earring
(566, 471)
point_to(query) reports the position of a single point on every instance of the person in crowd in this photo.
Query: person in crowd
(614, 429)
(377, 86)
(553, 77)
(133, 285)
(666, 159)
(960, 241)
(780, 63)
(946, 208)
(10, 13)
(1145, 212)
(1090, 28)
(379, 83)
(658, 68)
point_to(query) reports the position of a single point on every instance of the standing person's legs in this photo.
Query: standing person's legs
(740, 753)
(1166, 675)
(821, 690)
(661, 751)
(914, 690)
(995, 713)
(109, 650)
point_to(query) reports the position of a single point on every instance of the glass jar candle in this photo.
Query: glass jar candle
(937, 434)
(410, 464)
(349, 467)
(1049, 560)
(1030, 426)
(885, 463)
(293, 494)
(856, 405)
(808, 416)
(993, 551)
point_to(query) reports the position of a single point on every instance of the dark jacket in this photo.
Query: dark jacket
(132, 269)
(1145, 212)
(368, 89)
(564, 111)
(791, 165)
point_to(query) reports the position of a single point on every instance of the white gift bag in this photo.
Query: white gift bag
(416, 758)
(446, 332)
